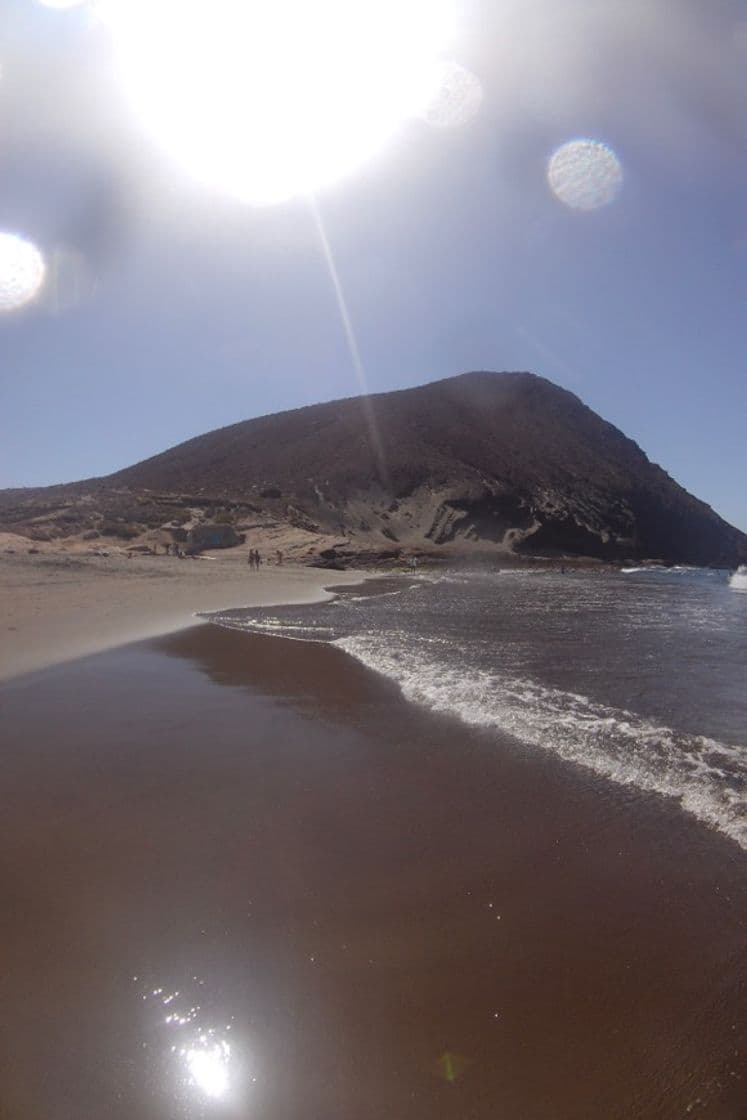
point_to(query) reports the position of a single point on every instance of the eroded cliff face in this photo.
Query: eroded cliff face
(585, 523)
(496, 462)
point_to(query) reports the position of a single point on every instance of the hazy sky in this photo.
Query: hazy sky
(171, 308)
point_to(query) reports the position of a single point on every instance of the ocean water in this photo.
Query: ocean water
(638, 675)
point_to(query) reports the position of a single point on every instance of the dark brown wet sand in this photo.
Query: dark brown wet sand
(396, 916)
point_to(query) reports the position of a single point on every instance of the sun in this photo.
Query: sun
(268, 99)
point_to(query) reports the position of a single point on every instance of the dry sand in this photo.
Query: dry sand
(59, 604)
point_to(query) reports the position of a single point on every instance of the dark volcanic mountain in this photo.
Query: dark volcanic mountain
(484, 460)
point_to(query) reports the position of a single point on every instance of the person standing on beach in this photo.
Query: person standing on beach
(280, 556)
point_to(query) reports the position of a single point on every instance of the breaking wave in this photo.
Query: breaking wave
(738, 580)
(708, 778)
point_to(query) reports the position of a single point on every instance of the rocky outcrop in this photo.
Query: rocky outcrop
(205, 536)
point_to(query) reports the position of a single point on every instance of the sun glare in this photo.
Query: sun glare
(268, 99)
(456, 98)
(63, 5)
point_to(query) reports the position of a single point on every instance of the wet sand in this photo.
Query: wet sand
(395, 915)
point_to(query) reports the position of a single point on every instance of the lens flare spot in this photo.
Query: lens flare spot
(584, 174)
(208, 1068)
(457, 96)
(451, 1067)
(22, 271)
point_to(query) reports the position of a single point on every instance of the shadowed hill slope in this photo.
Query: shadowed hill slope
(483, 460)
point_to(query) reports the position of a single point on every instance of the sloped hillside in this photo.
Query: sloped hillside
(484, 460)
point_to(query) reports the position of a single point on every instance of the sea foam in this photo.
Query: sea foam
(707, 777)
(738, 579)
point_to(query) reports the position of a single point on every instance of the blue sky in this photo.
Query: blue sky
(177, 309)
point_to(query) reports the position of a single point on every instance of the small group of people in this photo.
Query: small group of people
(254, 559)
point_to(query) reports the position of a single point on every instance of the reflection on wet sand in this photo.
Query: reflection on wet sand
(203, 1054)
(242, 877)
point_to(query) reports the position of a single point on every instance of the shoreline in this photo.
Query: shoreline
(61, 603)
(57, 607)
(268, 838)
